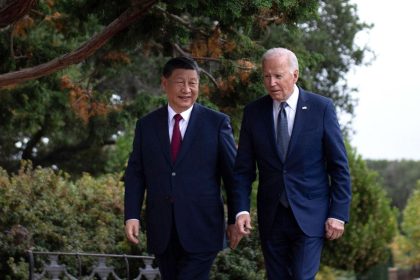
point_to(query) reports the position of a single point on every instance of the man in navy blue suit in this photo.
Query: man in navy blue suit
(304, 190)
(181, 152)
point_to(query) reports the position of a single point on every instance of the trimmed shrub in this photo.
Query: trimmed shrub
(43, 210)
(372, 225)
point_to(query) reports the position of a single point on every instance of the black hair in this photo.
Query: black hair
(181, 62)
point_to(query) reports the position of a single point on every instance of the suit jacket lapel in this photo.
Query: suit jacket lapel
(163, 132)
(190, 133)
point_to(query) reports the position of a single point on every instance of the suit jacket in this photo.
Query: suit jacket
(315, 173)
(187, 192)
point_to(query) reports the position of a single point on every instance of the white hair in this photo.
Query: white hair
(293, 61)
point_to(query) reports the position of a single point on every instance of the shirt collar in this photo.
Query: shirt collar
(291, 101)
(185, 115)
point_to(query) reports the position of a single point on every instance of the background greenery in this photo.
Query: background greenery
(80, 119)
(47, 210)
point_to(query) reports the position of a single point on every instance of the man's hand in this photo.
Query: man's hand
(132, 228)
(243, 224)
(333, 229)
(234, 236)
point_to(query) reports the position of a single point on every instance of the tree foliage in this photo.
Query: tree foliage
(84, 51)
(73, 118)
(74, 132)
(372, 223)
(398, 177)
(179, 20)
(406, 246)
(12, 10)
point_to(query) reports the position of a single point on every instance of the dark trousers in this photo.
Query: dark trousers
(289, 254)
(177, 264)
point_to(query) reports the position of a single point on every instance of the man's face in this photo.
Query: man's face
(181, 89)
(278, 81)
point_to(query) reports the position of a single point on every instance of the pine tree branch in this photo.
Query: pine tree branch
(127, 18)
(182, 21)
(12, 11)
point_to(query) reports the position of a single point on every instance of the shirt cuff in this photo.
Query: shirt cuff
(242, 212)
(340, 221)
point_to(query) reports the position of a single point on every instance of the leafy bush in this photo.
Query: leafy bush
(406, 246)
(246, 262)
(372, 223)
(43, 210)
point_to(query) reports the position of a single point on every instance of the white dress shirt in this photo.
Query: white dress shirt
(183, 123)
(290, 110)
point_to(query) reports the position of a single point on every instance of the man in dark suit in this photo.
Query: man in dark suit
(180, 154)
(304, 190)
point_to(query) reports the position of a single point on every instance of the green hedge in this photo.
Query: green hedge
(43, 210)
(246, 262)
(372, 225)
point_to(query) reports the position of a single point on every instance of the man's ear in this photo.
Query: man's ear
(296, 75)
(163, 83)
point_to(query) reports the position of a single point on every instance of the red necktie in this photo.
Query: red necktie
(176, 138)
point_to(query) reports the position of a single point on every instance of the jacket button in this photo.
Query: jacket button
(173, 174)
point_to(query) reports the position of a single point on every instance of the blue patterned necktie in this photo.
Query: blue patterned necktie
(283, 137)
(282, 142)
